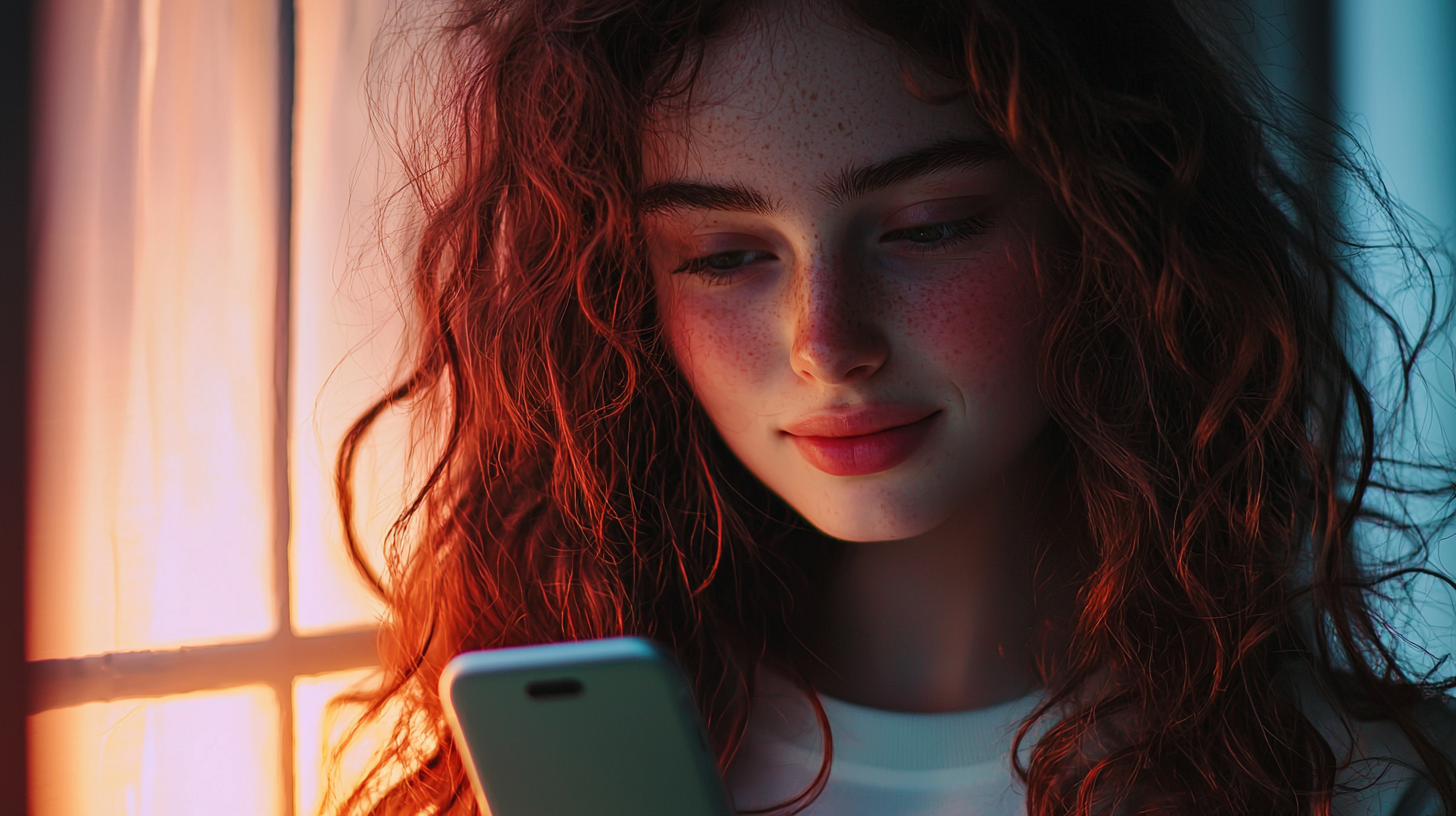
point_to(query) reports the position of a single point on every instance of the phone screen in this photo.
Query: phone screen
(592, 728)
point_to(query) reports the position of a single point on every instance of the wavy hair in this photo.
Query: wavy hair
(1220, 436)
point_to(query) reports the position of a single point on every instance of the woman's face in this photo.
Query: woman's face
(844, 276)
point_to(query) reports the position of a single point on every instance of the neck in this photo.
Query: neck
(947, 620)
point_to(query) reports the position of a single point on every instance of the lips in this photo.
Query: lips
(862, 441)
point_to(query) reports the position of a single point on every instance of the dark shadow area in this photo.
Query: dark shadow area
(16, 27)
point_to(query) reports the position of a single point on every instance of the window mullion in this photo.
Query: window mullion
(283, 687)
(122, 675)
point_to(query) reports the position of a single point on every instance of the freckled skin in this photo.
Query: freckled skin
(837, 316)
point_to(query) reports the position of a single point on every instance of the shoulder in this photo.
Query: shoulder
(1380, 772)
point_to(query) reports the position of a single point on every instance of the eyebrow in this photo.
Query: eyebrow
(686, 195)
(851, 182)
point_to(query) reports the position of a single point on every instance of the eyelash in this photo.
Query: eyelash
(953, 233)
(699, 266)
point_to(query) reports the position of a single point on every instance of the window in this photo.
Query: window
(212, 309)
(203, 332)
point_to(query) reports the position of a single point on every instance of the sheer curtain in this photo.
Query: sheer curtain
(154, 502)
(156, 325)
(348, 300)
(200, 340)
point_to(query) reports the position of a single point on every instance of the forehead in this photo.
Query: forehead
(794, 95)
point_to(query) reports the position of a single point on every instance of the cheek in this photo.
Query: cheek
(726, 350)
(978, 323)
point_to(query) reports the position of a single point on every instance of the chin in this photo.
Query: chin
(861, 519)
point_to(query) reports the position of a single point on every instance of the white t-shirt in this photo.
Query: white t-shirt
(959, 764)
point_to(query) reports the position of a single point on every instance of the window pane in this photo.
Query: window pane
(214, 753)
(347, 324)
(315, 729)
(155, 330)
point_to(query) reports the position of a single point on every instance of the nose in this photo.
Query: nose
(837, 337)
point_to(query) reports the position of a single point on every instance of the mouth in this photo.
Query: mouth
(862, 442)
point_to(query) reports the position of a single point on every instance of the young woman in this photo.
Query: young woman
(957, 388)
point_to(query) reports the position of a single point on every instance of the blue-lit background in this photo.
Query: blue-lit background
(1385, 71)
(1394, 79)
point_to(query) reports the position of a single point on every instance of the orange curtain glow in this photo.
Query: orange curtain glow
(155, 326)
(213, 753)
(347, 308)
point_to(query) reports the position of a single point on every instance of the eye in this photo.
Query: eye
(720, 266)
(929, 237)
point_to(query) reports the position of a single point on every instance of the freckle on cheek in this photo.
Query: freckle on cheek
(723, 349)
(976, 326)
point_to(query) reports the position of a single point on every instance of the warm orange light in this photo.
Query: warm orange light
(214, 753)
(317, 728)
(347, 327)
(155, 331)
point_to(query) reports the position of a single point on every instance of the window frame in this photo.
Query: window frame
(43, 685)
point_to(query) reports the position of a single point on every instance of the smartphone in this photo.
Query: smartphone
(590, 728)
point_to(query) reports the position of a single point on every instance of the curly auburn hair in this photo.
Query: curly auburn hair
(1220, 437)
